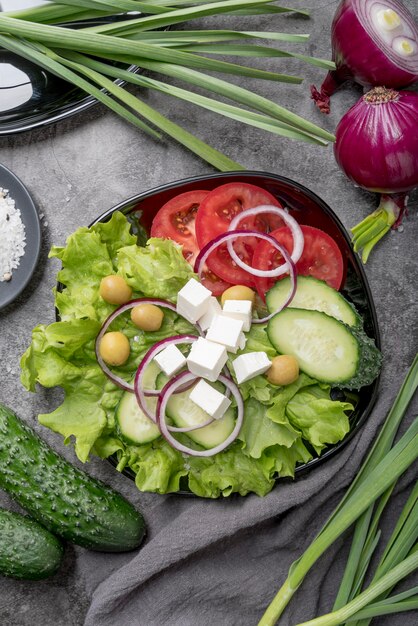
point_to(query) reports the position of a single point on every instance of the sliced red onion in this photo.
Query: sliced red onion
(120, 382)
(152, 352)
(298, 240)
(230, 236)
(377, 58)
(165, 395)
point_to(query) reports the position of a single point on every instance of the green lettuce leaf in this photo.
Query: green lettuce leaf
(321, 420)
(229, 472)
(259, 432)
(89, 256)
(158, 270)
(286, 459)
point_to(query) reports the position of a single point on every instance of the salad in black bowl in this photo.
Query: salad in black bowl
(213, 335)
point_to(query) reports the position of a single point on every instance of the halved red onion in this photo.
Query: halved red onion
(230, 236)
(152, 352)
(298, 240)
(120, 382)
(169, 389)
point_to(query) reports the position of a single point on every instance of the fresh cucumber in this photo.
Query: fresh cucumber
(184, 412)
(313, 294)
(62, 498)
(132, 423)
(27, 550)
(325, 348)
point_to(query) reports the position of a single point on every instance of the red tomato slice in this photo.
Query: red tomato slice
(176, 220)
(216, 213)
(321, 257)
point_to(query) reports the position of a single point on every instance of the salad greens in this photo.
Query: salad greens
(283, 426)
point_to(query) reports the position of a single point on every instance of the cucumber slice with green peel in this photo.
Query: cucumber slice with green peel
(325, 348)
(132, 423)
(184, 412)
(313, 294)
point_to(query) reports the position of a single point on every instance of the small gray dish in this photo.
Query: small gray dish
(22, 274)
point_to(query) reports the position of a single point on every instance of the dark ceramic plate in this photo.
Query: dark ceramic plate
(31, 97)
(309, 209)
(22, 274)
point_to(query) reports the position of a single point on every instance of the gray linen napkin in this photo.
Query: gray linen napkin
(219, 563)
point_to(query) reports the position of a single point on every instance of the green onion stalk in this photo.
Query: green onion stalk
(61, 38)
(372, 485)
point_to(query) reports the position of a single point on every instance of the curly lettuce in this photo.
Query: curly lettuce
(283, 426)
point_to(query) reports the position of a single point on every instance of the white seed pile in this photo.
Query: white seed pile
(12, 236)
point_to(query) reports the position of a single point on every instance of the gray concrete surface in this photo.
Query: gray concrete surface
(78, 168)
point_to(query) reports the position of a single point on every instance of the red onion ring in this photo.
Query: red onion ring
(152, 352)
(169, 389)
(298, 240)
(117, 380)
(230, 236)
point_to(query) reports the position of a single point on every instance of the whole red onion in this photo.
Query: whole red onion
(374, 42)
(377, 148)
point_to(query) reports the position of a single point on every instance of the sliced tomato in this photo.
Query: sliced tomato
(215, 214)
(321, 257)
(176, 220)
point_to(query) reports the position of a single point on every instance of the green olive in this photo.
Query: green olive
(114, 348)
(284, 370)
(238, 292)
(115, 290)
(147, 317)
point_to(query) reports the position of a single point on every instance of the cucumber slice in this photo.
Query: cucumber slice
(133, 425)
(313, 294)
(184, 412)
(325, 348)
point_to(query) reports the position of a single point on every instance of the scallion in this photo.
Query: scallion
(188, 56)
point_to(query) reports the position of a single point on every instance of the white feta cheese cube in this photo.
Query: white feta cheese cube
(214, 309)
(251, 364)
(206, 359)
(193, 300)
(242, 341)
(239, 310)
(170, 360)
(226, 331)
(212, 401)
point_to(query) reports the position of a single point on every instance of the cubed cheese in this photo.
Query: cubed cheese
(242, 341)
(239, 310)
(206, 359)
(226, 331)
(212, 401)
(251, 364)
(214, 308)
(170, 360)
(193, 300)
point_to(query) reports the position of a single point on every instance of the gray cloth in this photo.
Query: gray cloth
(220, 562)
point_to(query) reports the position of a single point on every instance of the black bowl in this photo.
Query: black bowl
(309, 209)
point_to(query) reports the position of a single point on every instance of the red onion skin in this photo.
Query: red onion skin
(358, 58)
(377, 148)
(377, 144)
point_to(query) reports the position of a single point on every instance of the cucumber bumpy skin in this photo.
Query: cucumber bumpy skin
(62, 498)
(27, 550)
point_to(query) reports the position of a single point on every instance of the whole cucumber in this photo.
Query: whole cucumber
(27, 550)
(59, 496)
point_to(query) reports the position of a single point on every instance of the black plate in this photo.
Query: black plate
(309, 209)
(22, 274)
(31, 97)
